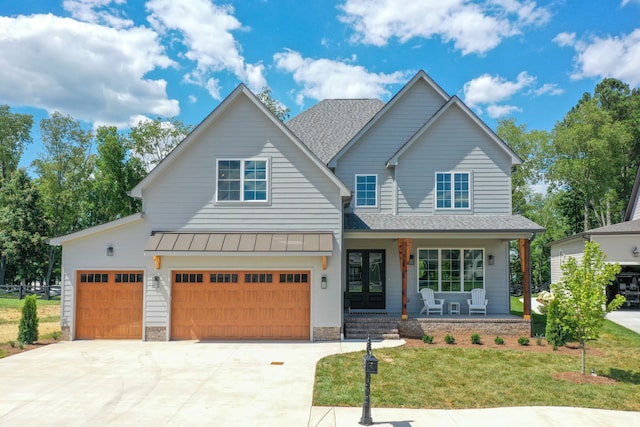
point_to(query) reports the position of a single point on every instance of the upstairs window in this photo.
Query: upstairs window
(452, 190)
(366, 190)
(242, 180)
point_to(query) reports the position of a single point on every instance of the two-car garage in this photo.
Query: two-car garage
(205, 304)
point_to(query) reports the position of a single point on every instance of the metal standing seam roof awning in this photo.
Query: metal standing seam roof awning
(200, 243)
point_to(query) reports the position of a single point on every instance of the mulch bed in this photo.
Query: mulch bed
(8, 350)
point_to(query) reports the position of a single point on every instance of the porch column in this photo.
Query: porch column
(525, 265)
(404, 249)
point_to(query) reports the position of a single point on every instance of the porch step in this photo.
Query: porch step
(375, 327)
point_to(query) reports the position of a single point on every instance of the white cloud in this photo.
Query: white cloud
(97, 12)
(626, 2)
(325, 78)
(496, 111)
(91, 72)
(206, 31)
(472, 27)
(611, 56)
(565, 39)
(488, 89)
(549, 89)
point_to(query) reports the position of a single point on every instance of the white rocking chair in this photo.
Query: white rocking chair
(430, 302)
(477, 303)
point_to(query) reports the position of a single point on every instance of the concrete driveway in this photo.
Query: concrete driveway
(629, 317)
(185, 383)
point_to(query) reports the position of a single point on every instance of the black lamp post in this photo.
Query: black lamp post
(370, 364)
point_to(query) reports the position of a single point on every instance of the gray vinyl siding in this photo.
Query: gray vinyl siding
(454, 143)
(369, 155)
(301, 197)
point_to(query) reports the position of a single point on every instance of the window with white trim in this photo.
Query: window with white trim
(243, 180)
(450, 270)
(366, 190)
(452, 190)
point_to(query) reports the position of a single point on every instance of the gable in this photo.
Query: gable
(400, 118)
(251, 106)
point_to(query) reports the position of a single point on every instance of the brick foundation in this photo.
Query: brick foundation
(155, 333)
(326, 334)
(416, 328)
(65, 333)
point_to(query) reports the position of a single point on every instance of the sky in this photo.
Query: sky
(116, 62)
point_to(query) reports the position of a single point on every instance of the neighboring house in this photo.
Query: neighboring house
(253, 229)
(620, 243)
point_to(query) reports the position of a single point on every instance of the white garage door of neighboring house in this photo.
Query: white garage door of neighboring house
(109, 304)
(244, 304)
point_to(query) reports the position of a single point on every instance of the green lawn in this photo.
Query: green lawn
(448, 378)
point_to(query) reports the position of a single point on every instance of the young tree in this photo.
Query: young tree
(15, 134)
(581, 297)
(28, 328)
(154, 139)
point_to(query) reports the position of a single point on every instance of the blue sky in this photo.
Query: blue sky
(116, 62)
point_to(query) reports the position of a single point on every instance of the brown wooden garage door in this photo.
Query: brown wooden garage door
(109, 304)
(240, 305)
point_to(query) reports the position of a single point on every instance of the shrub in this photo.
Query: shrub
(556, 332)
(498, 340)
(449, 339)
(523, 341)
(475, 339)
(12, 344)
(427, 339)
(55, 335)
(28, 330)
(539, 339)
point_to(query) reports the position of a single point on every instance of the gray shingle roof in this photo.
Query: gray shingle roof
(439, 223)
(623, 227)
(327, 126)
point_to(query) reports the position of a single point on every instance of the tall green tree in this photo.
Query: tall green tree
(63, 170)
(275, 106)
(581, 297)
(116, 172)
(15, 134)
(588, 151)
(23, 229)
(530, 146)
(28, 327)
(154, 139)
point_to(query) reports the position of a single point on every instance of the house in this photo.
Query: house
(620, 243)
(253, 229)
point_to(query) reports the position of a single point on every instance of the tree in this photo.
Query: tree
(23, 229)
(15, 134)
(581, 297)
(116, 173)
(28, 328)
(63, 172)
(275, 106)
(589, 150)
(154, 139)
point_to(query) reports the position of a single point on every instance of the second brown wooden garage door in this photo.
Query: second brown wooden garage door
(207, 305)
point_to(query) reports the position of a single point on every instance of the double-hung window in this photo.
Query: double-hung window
(450, 270)
(452, 190)
(366, 191)
(243, 180)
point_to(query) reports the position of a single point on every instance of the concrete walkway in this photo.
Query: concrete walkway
(186, 383)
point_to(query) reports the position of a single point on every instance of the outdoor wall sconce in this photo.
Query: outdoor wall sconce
(110, 250)
(635, 252)
(323, 282)
(412, 260)
(490, 259)
(156, 282)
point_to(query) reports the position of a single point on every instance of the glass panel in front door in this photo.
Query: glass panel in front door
(366, 279)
